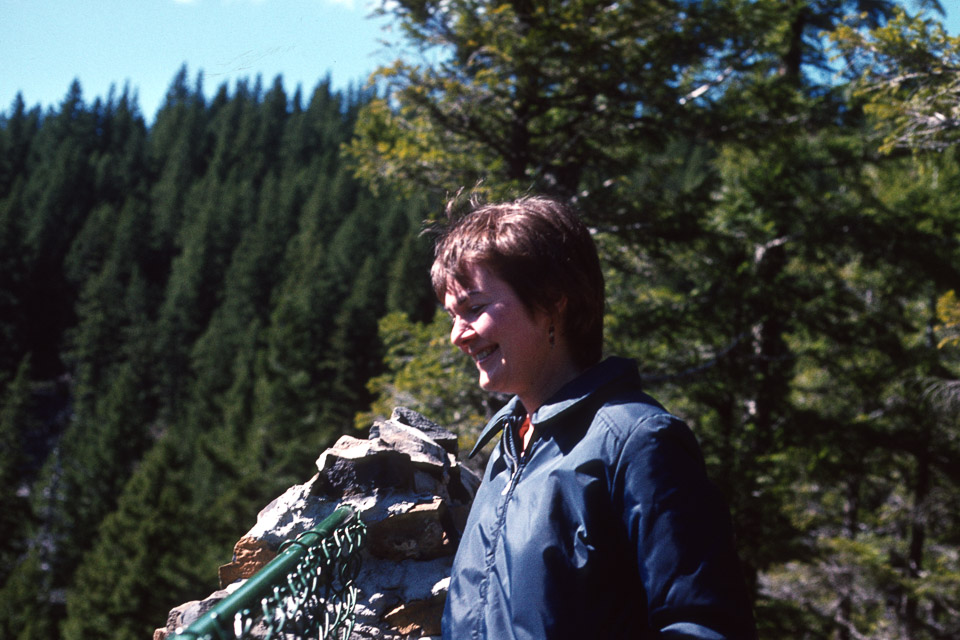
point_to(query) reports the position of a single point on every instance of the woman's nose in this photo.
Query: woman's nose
(460, 332)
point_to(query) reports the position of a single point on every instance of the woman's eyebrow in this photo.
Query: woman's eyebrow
(460, 301)
(469, 294)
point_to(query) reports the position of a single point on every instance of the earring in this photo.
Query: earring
(552, 337)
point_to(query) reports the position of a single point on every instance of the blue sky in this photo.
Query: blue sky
(45, 44)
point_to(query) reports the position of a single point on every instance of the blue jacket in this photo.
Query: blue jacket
(606, 527)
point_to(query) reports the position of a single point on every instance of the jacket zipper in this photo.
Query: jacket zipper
(517, 461)
(515, 476)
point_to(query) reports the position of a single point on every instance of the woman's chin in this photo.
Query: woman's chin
(487, 383)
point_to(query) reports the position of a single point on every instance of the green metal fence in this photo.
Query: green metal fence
(307, 591)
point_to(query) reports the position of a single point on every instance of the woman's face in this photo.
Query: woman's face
(510, 346)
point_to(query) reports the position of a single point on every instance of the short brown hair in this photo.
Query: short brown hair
(541, 248)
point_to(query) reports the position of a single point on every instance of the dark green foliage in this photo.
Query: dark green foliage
(14, 324)
(137, 566)
(773, 273)
(16, 424)
(208, 290)
(27, 609)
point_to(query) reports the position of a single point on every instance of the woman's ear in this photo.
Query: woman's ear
(559, 311)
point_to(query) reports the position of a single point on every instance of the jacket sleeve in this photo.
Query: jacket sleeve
(681, 530)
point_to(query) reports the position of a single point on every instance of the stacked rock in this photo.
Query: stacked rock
(407, 486)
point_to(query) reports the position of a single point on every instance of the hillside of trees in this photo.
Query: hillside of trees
(189, 316)
(190, 311)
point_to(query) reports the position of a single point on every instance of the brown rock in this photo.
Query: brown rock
(416, 534)
(421, 617)
(249, 556)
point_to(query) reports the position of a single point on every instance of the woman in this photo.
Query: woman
(595, 518)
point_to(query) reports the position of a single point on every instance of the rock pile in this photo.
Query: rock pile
(413, 495)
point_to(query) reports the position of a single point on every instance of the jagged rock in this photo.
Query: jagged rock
(417, 534)
(434, 431)
(399, 582)
(249, 556)
(414, 443)
(463, 484)
(289, 515)
(421, 617)
(187, 613)
(355, 467)
(407, 486)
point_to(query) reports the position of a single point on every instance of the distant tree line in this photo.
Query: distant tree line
(188, 316)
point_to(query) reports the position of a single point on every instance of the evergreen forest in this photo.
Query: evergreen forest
(192, 309)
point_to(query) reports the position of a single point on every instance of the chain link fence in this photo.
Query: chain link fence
(307, 591)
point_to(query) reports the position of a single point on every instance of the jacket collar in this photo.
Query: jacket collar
(569, 396)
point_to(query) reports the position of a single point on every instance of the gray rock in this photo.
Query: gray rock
(413, 442)
(406, 485)
(355, 467)
(434, 431)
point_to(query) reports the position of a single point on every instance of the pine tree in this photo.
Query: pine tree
(14, 340)
(27, 607)
(178, 149)
(61, 188)
(17, 133)
(408, 285)
(16, 422)
(126, 583)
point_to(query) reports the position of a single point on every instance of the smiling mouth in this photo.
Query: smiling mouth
(483, 354)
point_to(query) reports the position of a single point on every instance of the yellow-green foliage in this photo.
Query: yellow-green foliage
(948, 311)
(909, 73)
(426, 373)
